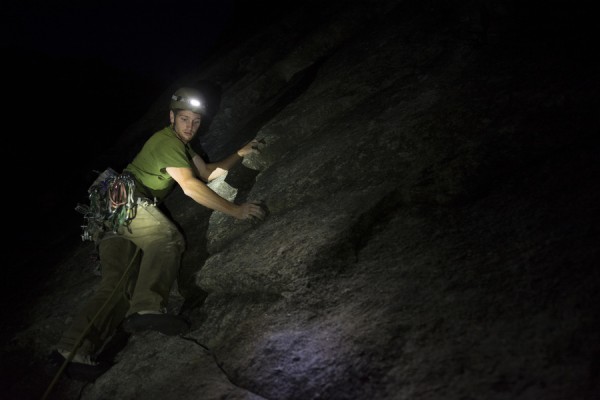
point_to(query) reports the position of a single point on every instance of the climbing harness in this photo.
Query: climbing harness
(111, 205)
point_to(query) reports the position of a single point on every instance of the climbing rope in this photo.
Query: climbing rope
(111, 204)
(87, 328)
(121, 203)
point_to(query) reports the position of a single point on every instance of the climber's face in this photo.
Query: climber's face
(186, 124)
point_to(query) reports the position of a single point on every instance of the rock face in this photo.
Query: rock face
(430, 171)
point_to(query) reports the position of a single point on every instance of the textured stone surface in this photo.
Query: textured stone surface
(431, 176)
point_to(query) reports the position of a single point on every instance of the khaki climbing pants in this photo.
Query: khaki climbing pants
(147, 284)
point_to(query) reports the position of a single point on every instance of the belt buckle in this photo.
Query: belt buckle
(145, 202)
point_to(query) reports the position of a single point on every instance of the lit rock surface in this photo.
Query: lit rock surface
(431, 175)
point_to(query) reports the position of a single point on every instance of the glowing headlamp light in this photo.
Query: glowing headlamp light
(191, 101)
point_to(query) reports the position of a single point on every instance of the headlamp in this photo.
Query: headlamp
(191, 101)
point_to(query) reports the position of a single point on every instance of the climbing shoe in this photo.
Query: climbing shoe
(81, 368)
(166, 324)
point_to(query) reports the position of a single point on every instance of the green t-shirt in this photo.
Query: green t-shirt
(149, 166)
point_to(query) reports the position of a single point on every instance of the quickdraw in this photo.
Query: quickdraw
(112, 204)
